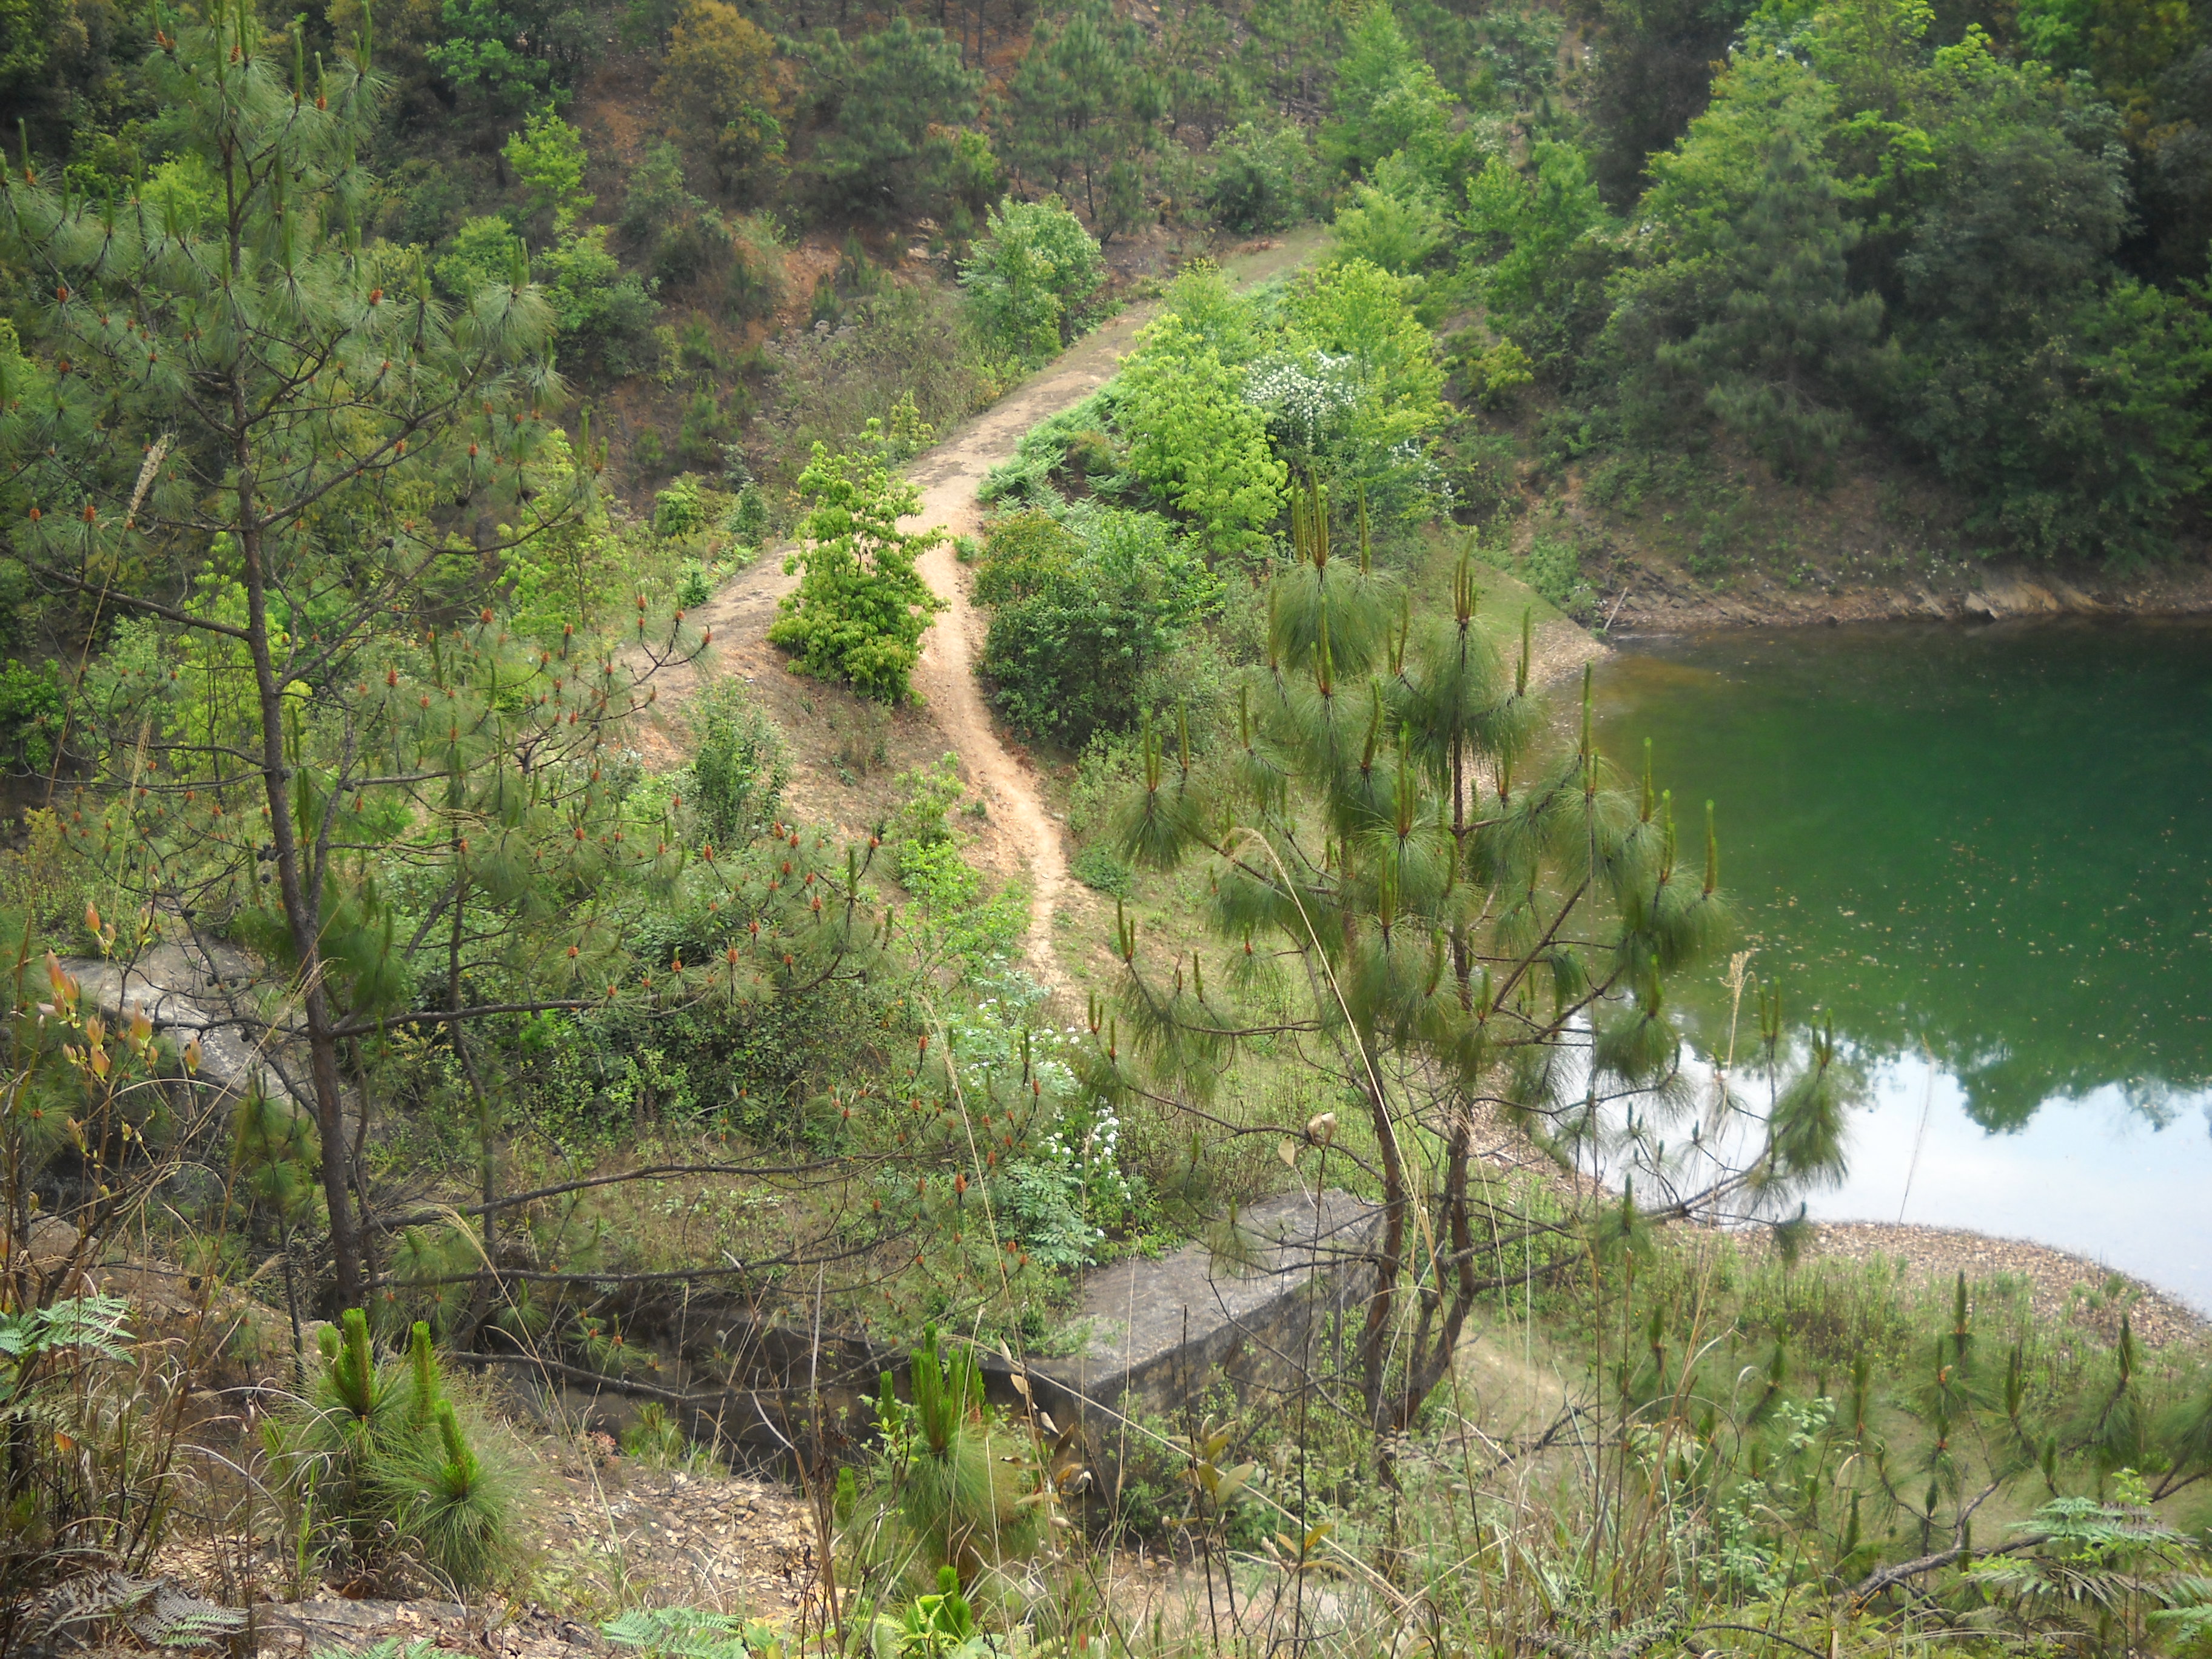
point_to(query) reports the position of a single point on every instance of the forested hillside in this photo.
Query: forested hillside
(537, 952)
(1690, 254)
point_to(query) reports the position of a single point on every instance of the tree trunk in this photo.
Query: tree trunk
(299, 893)
(1375, 1334)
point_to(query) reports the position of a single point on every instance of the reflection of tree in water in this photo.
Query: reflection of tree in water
(1986, 844)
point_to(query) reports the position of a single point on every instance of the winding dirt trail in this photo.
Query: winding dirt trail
(948, 476)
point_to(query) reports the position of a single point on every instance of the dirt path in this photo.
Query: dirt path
(948, 476)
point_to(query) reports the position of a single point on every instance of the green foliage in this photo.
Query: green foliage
(861, 606)
(1046, 448)
(1262, 177)
(748, 516)
(84, 1324)
(739, 768)
(278, 1154)
(1396, 221)
(941, 1624)
(1653, 72)
(383, 1470)
(1792, 345)
(32, 705)
(1081, 608)
(1536, 253)
(548, 160)
(1388, 101)
(680, 509)
(1842, 240)
(1084, 105)
(688, 1633)
(1195, 441)
(481, 54)
(1097, 867)
(1553, 568)
(954, 1493)
(1361, 321)
(725, 95)
(926, 794)
(1029, 277)
(900, 110)
(606, 314)
(483, 256)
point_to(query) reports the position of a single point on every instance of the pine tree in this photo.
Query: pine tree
(1448, 921)
(1793, 344)
(266, 446)
(1082, 100)
(891, 97)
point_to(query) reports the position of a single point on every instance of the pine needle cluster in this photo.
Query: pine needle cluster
(386, 1471)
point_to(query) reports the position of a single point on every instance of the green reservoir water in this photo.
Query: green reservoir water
(1989, 853)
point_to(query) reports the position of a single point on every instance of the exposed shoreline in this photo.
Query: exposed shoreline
(2065, 1284)
(1657, 599)
(2062, 1282)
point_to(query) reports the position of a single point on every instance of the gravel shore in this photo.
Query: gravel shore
(2063, 1284)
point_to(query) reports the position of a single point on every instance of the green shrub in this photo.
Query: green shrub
(385, 1469)
(31, 703)
(1034, 269)
(1097, 867)
(861, 605)
(747, 518)
(1082, 606)
(680, 509)
(739, 771)
(1554, 569)
(926, 794)
(1262, 178)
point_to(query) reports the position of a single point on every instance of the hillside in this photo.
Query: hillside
(806, 859)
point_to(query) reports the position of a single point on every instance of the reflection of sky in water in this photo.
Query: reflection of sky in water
(1984, 853)
(2097, 1176)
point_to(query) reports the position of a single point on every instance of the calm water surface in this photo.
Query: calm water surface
(1989, 853)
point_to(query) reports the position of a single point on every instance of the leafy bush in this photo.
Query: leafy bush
(607, 314)
(1044, 449)
(861, 606)
(747, 518)
(1097, 867)
(679, 509)
(738, 774)
(1554, 569)
(31, 704)
(926, 794)
(963, 920)
(1035, 268)
(1196, 442)
(1080, 609)
(1262, 178)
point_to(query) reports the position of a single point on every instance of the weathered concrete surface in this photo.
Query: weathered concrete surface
(1160, 1336)
(1260, 1318)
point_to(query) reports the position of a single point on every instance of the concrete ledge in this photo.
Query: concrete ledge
(1255, 1317)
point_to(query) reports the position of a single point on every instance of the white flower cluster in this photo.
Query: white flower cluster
(1418, 465)
(1094, 1154)
(1304, 397)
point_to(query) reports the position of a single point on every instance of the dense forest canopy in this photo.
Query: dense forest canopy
(1969, 240)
